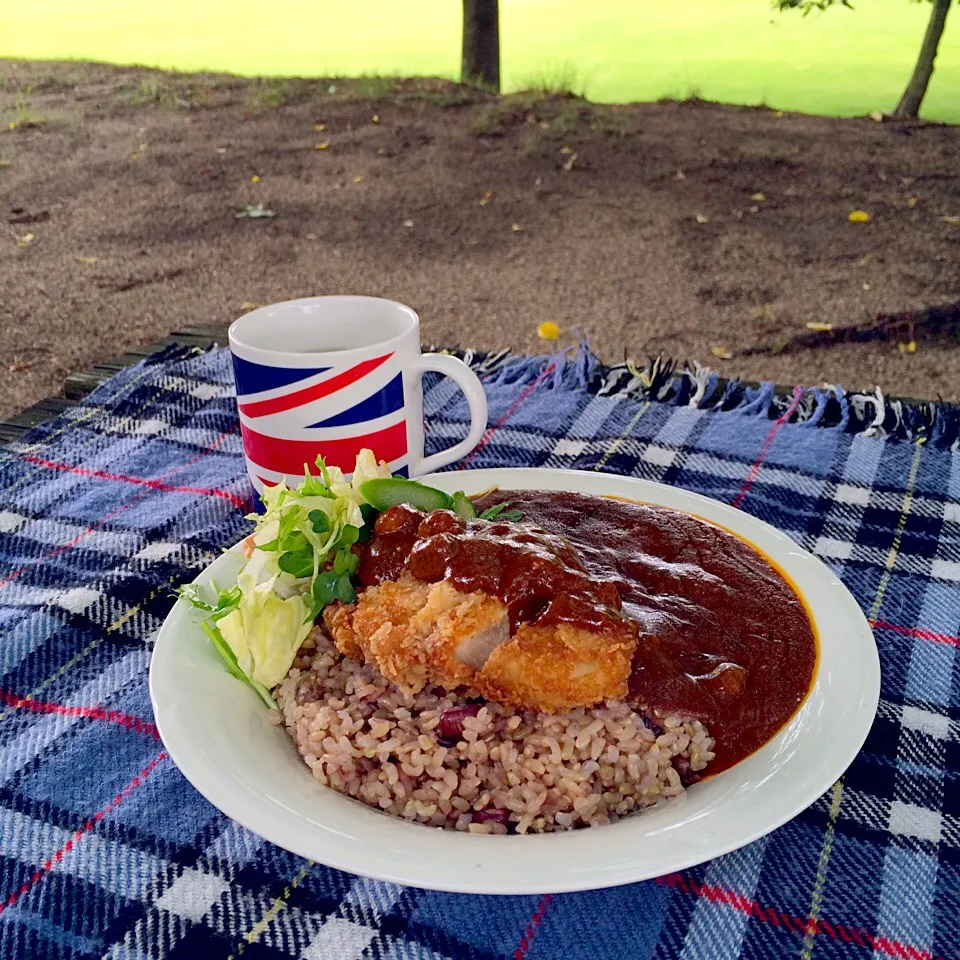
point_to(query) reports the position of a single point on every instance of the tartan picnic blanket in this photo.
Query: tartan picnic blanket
(107, 852)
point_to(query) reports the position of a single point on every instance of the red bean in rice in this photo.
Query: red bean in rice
(507, 772)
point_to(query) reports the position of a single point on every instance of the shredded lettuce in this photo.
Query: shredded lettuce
(301, 561)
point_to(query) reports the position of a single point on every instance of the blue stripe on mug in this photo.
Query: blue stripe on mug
(387, 400)
(257, 377)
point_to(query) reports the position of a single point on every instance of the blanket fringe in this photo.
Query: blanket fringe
(875, 414)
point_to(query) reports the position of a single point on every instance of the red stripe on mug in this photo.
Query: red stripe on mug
(288, 401)
(289, 456)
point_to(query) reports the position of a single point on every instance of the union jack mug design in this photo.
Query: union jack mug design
(332, 375)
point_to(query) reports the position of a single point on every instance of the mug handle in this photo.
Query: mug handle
(472, 389)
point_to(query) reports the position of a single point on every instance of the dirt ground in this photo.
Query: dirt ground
(687, 229)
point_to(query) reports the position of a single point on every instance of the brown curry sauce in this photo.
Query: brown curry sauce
(722, 636)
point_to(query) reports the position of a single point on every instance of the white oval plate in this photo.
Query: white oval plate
(217, 732)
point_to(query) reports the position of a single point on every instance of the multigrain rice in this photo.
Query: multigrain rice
(534, 772)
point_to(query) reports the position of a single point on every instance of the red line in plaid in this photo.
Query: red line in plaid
(798, 925)
(511, 410)
(124, 478)
(526, 941)
(78, 835)
(113, 513)
(916, 632)
(765, 449)
(91, 713)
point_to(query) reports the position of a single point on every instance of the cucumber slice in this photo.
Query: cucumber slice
(463, 506)
(384, 493)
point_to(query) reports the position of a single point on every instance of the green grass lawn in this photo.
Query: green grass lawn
(739, 51)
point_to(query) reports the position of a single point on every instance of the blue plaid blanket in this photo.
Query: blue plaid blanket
(107, 852)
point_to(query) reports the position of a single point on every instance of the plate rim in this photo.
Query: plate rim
(804, 794)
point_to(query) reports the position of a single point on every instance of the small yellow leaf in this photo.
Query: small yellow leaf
(221, 150)
(954, 220)
(12, 125)
(321, 146)
(858, 216)
(247, 307)
(408, 223)
(25, 240)
(722, 352)
(548, 330)
(312, 236)
(80, 259)
(517, 228)
(375, 118)
(319, 127)
(910, 347)
(22, 365)
(759, 197)
(778, 113)
(702, 218)
(866, 286)
(877, 116)
(566, 151)
(865, 260)
(254, 179)
(820, 327)
(912, 201)
(358, 179)
(570, 161)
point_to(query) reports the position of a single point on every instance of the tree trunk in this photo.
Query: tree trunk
(481, 43)
(909, 105)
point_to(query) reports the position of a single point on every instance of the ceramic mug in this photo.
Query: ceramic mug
(332, 375)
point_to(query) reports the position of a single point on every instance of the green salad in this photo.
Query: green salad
(301, 557)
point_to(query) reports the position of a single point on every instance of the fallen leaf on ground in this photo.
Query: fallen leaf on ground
(254, 211)
(702, 218)
(22, 365)
(570, 161)
(80, 259)
(908, 181)
(679, 175)
(858, 216)
(820, 327)
(517, 228)
(408, 223)
(758, 197)
(221, 149)
(566, 151)
(954, 220)
(864, 260)
(358, 179)
(912, 201)
(910, 347)
(375, 118)
(254, 179)
(485, 199)
(319, 127)
(866, 286)
(4, 163)
(877, 116)
(548, 330)
(472, 243)
(247, 307)
(25, 240)
(722, 352)
(321, 146)
(778, 113)
(313, 236)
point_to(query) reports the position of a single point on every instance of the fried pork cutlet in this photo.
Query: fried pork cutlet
(417, 633)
